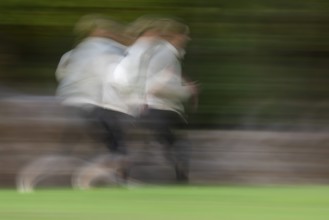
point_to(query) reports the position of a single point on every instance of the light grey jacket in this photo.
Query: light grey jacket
(165, 87)
(130, 76)
(82, 70)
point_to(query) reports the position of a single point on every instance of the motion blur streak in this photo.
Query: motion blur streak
(262, 66)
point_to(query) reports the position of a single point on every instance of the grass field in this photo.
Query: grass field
(168, 203)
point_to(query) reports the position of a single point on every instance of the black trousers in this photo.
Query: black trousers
(114, 124)
(81, 121)
(163, 123)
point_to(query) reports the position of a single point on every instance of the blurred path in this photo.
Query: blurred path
(32, 127)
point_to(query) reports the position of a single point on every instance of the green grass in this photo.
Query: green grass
(169, 203)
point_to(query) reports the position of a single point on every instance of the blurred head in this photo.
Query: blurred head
(169, 29)
(99, 26)
(144, 26)
(174, 31)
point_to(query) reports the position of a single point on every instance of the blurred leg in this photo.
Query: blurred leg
(162, 124)
(114, 134)
(80, 122)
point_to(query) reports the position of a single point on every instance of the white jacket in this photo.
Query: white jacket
(81, 71)
(165, 87)
(125, 88)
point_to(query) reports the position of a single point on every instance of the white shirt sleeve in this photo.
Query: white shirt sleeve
(61, 70)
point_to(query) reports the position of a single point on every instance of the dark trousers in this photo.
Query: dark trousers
(81, 121)
(114, 124)
(162, 123)
(103, 125)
